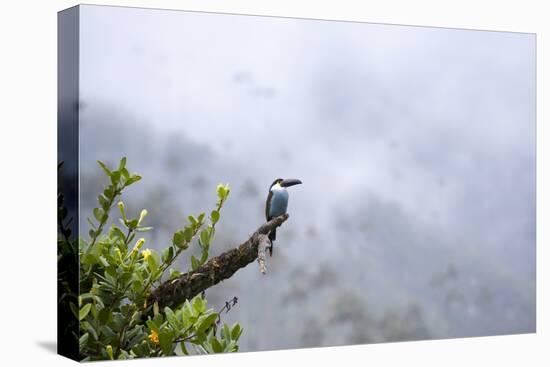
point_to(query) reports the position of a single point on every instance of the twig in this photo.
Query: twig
(227, 307)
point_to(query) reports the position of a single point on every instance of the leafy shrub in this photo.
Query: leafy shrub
(117, 273)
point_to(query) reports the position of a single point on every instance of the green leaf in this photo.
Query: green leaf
(236, 332)
(92, 224)
(98, 214)
(117, 233)
(93, 311)
(201, 217)
(132, 224)
(88, 327)
(104, 315)
(103, 261)
(167, 254)
(205, 237)
(193, 220)
(124, 172)
(74, 309)
(109, 192)
(174, 273)
(115, 177)
(178, 239)
(215, 216)
(204, 256)
(91, 296)
(143, 229)
(122, 164)
(89, 259)
(204, 322)
(184, 348)
(188, 234)
(172, 319)
(152, 326)
(107, 332)
(103, 202)
(194, 262)
(199, 304)
(153, 261)
(231, 347)
(158, 319)
(104, 167)
(216, 346)
(165, 340)
(206, 346)
(135, 336)
(187, 313)
(226, 333)
(133, 179)
(137, 286)
(84, 311)
(83, 340)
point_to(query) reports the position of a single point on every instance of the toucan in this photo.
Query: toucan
(277, 203)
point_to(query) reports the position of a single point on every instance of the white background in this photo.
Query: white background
(28, 180)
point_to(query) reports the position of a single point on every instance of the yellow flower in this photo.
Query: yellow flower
(154, 337)
(146, 253)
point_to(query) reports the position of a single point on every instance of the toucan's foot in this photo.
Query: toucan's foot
(270, 248)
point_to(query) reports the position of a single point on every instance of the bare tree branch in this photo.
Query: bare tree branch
(174, 292)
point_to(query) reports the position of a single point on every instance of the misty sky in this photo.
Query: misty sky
(416, 147)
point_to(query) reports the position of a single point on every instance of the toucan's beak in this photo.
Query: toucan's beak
(290, 182)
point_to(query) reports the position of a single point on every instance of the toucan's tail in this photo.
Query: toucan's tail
(272, 236)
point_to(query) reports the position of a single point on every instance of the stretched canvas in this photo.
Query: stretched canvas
(235, 183)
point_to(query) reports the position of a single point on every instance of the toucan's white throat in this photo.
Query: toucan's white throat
(277, 188)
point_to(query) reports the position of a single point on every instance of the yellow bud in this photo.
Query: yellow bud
(142, 215)
(139, 244)
(109, 350)
(121, 207)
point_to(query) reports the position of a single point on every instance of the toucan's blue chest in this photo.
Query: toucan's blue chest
(279, 203)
